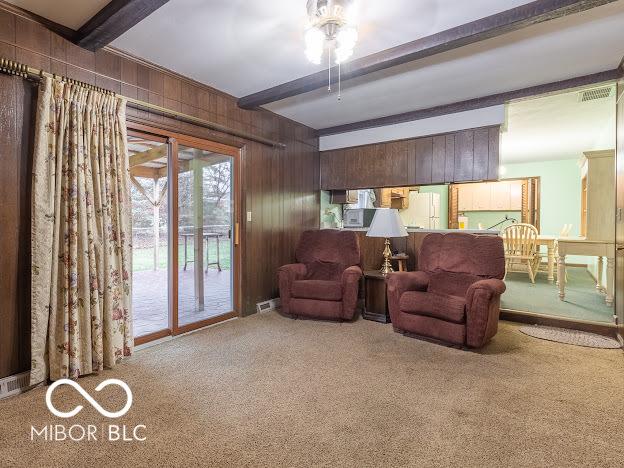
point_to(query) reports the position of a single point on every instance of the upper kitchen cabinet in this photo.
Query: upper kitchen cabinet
(467, 155)
(333, 174)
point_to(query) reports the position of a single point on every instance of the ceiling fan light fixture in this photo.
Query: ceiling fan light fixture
(332, 23)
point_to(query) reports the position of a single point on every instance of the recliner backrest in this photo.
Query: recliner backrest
(329, 245)
(479, 255)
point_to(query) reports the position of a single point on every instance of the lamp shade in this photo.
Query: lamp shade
(386, 223)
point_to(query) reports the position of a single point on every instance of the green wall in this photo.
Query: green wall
(560, 186)
(560, 200)
(441, 190)
(489, 218)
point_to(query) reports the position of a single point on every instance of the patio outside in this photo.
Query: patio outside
(204, 242)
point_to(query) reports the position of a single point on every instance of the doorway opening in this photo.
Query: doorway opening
(185, 239)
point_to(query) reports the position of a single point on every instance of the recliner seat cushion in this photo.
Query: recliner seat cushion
(317, 289)
(442, 306)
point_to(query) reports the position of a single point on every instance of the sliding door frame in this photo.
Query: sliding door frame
(174, 139)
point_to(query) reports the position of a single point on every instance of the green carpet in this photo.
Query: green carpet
(582, 300)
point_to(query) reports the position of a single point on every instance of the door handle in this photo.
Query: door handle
(236, 233)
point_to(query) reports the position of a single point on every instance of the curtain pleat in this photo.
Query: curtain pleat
(81, 233)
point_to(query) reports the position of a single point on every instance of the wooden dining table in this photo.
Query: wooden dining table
(550, 243)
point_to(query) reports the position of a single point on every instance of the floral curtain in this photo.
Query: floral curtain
(81, 233)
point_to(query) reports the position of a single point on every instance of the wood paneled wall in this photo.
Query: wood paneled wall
(280, 186)
(372, 249)
(468, 155)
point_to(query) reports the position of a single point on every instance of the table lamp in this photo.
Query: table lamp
(386, 223)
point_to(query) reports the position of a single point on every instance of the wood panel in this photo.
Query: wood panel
(16, 105)
(423, 154)
(460, 156)
(464, 156)
(480, 161)
(493, 152)
(438, 160)
(280, 186)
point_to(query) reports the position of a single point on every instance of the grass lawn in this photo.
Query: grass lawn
(143, 259)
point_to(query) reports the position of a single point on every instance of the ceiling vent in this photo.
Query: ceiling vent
(596, 93)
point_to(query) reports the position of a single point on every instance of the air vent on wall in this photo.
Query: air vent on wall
(271, 304)
(14, 384)
(596, 93)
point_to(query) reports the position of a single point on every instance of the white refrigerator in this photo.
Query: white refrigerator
(423, 211)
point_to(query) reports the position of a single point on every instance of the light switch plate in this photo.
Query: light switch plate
(249, 216)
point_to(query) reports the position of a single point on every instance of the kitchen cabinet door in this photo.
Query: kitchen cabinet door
(358, 170)
(482, 197)
(438, 160)
(480, 159)
(465, 195)
(395, 164)
(464, 155)
(500, 193)
(515, 195)
(333, 170)
(423, 155)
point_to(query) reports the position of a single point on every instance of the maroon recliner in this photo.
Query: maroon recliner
(455, 295)
(325, 282)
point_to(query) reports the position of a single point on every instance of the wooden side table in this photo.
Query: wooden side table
(375, 297)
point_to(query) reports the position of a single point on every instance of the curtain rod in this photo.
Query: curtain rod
(11, 67)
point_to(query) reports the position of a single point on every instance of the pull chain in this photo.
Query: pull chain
(329, 67)
(339, 85)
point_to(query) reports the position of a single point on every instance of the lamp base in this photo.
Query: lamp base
(386, 266)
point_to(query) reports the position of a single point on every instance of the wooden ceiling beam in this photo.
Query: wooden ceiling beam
(146, 172)
(477, 103)
(485, 28)
(113, 20)
(149, 155)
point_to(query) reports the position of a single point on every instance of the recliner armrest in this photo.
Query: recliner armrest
(493, 286)
(407, 281)
(287, 275)
(400, 282)
(482, 311)
(351, 275)
(295, 271)
(350, 281)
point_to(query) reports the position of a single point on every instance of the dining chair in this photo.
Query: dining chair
(521, 248)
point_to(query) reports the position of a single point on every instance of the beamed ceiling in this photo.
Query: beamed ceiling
(246, 46)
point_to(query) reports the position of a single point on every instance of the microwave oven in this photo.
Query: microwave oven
(358, 217)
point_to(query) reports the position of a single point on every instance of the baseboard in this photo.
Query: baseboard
(531, 318)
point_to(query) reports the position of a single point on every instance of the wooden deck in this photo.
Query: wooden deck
(149, 298)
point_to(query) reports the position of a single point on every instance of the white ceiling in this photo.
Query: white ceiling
(244, 46)
(557, 127)
(581, 44)
(70, 13)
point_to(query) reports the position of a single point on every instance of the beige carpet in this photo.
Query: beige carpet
(271, 391)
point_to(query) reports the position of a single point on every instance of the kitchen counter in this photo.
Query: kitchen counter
(491, 232)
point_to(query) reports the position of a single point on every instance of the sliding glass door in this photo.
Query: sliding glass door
(150, 233)
(205, 214)
(184, 234)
